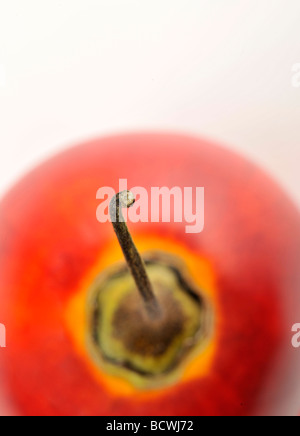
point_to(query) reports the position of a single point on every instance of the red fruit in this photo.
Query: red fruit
(246, 261)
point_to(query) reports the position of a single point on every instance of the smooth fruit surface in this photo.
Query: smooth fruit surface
(52, 248)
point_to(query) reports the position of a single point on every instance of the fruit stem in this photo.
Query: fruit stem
(125, 199)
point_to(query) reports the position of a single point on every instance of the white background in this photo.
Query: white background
(71, 69)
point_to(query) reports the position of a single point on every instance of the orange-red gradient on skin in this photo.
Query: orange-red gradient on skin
(51, 245)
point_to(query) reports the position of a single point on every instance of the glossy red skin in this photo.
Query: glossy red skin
(49, 240)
